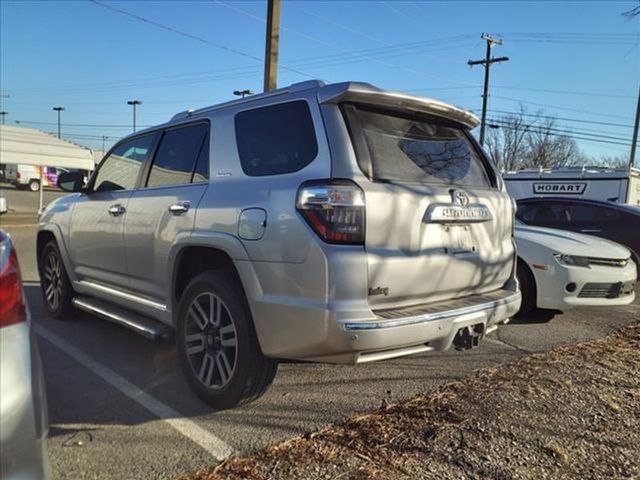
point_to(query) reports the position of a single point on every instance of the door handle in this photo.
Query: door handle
(179, 208)
(590, 230)
(117, 209)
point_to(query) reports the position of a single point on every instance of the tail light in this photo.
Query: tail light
(12, 307)
(18, 175)
(334, 209)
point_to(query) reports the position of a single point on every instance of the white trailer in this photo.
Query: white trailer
(614, 185)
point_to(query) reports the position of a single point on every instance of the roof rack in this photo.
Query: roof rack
(294, 87)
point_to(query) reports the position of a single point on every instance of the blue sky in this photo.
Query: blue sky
(574, 60)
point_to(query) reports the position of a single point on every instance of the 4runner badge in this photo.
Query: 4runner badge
(460, 210)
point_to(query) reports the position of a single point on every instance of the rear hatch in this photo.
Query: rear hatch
(437, 225)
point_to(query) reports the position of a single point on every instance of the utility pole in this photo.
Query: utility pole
(271, 45)
(634, 140)
(58, 109)
(3, 115)
(133, 103)
(103, 140)
(487, 66)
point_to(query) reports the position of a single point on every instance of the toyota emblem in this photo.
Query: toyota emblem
(461, 198)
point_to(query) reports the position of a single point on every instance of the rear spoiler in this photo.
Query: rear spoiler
(368, 94)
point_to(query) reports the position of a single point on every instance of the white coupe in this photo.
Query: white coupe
(559, 270)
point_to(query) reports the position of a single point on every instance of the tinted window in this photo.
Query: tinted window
(119, 171)
(542, 214)
(176, 156)
(416, 150)
(277, 139)
(201, 173)
(591, 213)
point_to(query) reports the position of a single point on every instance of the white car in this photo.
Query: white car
(559, 270)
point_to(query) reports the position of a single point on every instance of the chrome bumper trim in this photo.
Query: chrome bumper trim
(429, 317)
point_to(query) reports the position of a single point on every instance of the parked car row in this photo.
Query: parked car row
(30, 176)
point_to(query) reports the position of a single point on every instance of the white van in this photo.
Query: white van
(28, 176)
(597, 183)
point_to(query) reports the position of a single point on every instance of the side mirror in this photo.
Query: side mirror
(71, 181)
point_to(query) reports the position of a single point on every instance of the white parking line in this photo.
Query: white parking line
(215, 446)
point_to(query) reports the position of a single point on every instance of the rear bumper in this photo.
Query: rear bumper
(350, 335)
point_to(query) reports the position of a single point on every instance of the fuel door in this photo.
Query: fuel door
(252, 223)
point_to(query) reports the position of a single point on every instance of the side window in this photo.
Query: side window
(277, 139)
(526, 213)
(592, 213)
(176, 156)
(543, 214)
(119, 171)
(201, 173)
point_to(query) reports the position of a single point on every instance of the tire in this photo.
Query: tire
(527, 287)
(220, 357)
(34, 185)
(57, 291)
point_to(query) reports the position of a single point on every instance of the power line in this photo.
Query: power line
(335, 46)
(594, 122)
(545, 130)
(558, 107)
(564, 92)
(575, 38)
(549, 128)
(192, 36)
(343, 27)
(80, 124)
(413, 48)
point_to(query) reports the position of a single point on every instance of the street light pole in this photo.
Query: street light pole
(3, 115)
(58, 109)
(133, 103)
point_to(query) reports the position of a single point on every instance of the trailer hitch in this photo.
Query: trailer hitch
(468, 337)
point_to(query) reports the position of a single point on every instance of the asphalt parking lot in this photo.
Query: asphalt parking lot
(24, 202)
(119, 407)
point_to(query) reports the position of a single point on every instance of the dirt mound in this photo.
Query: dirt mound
(573, 412)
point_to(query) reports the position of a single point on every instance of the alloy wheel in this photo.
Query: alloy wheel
(53, 280)
(211, 341)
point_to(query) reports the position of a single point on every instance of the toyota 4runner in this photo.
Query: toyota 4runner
(334, 223)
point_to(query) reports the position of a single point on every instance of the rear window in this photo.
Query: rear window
(412, 149)
(275, 140)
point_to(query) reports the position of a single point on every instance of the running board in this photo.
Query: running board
(142, 325)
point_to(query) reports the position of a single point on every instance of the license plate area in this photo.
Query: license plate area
(458, 240)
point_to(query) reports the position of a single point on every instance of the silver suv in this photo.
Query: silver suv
(334, 223)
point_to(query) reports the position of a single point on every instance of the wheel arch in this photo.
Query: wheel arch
(52, 232)
(195, 254)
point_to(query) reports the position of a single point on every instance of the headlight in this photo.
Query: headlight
(572, 260)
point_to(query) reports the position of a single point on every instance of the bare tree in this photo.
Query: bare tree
(507, 141)
(522, 140)
(615, 161)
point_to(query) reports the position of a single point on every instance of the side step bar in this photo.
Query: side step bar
(142, 325)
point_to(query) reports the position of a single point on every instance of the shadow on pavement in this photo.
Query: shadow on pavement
(536, 316)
